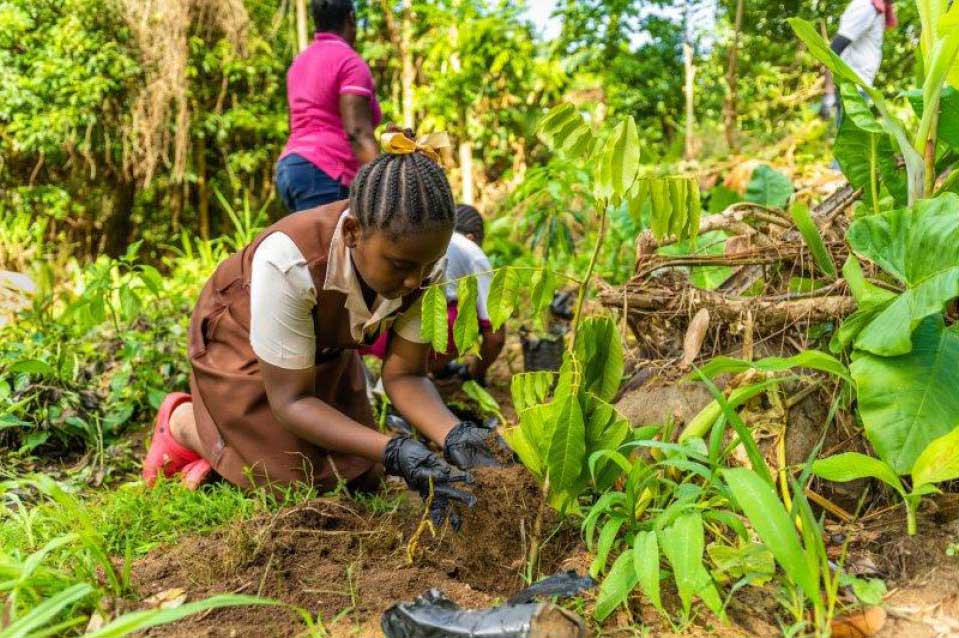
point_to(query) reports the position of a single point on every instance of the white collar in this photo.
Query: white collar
(342, 277)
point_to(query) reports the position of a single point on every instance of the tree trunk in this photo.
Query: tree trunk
(729, 107)
(202, 189)
(119, 226)
(408, 73)
(690, 69)
(302, 32)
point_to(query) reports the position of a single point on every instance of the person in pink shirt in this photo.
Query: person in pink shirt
(333, 112)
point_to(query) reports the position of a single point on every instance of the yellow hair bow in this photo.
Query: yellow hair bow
(397, 143)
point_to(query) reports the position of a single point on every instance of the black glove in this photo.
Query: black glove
(454, 369)
(414, 463)
(466, 446)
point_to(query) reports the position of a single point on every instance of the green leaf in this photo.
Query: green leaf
(684, 543)
(821, 51)
(759, 502)
(856, 109)
(646, 565)
(769, 187)
(865, 293)
(528, 454)
(859, 154)
(810, 234)
(466, 326)
(850, 466)
(908, 401)
(504, 291)
(434, 326)
(812, 359)
(607, 540)
(530, 388)
(939, 461)
(948, 114)
(600, 351)
(621, 580)
(910, 243)
(566, 454)
(46, 611)
(544, 285)
(487, 404)
(618, 163)
(33, 366)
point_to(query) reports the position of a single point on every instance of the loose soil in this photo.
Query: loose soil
(336, 557)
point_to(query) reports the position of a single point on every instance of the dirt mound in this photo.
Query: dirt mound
(339, 559)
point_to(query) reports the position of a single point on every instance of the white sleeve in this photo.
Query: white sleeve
(856, 19)
(482, 268)
(281, 305)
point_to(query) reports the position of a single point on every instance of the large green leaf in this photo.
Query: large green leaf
(600, 351)
(857, 153)
(910, 243)
(759, 502)
(769, 187)
(566, 456)
(850, 466)
(528, 454)
(908, 401)
(890, 333)
(938, 462)
(917, 246)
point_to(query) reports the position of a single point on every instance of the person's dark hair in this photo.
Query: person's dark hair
(402, 193)
(470, 222)
(331, 15)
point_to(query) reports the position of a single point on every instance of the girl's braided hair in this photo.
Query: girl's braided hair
(402, 194)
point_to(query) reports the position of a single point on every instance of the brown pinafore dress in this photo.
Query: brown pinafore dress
(241, 438)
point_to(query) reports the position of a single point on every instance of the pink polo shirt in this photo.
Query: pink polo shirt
(319, 75)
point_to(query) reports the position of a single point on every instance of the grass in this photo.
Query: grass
(63, 552)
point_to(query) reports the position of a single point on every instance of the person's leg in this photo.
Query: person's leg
(183, 427)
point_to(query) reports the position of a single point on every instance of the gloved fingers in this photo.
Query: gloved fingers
(446, 493)
(440, 511)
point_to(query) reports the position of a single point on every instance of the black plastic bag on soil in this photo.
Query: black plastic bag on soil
(433, 615)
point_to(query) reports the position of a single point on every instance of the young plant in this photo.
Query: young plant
(937, 463)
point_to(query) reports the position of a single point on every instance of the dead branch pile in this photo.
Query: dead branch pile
(673, 320)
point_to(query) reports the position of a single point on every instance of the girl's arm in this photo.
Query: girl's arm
(412, 392)
(294, 403)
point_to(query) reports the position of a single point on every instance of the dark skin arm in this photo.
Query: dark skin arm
(492, 345)
(411, 391)
(357, 117)
(294, 403)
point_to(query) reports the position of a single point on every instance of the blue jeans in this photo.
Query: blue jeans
(302, 185)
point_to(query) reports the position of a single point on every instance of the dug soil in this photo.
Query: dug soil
(345, 563)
